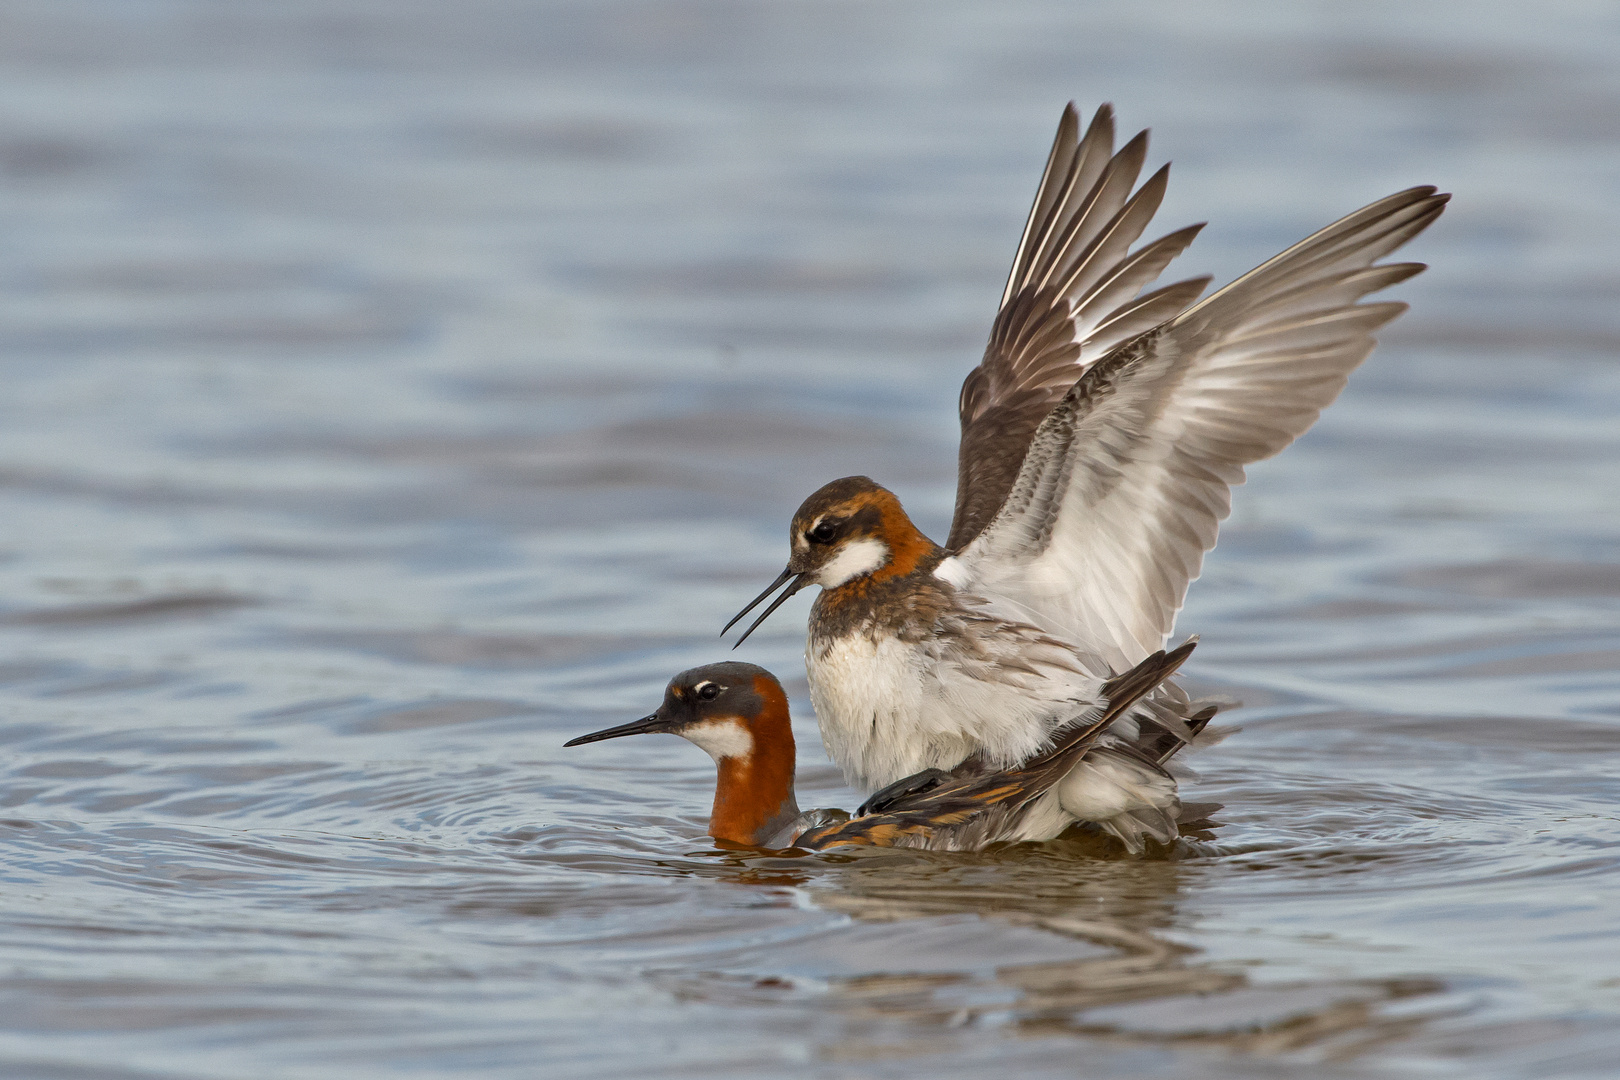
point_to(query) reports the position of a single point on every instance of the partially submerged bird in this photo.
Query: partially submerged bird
(739, 714)
(1101, 436)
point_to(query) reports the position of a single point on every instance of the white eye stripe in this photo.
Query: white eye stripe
(823, 529)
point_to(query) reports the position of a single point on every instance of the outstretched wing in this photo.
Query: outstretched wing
(1126, 481)
(1071, 298)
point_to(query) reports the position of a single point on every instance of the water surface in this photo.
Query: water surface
(396, 390)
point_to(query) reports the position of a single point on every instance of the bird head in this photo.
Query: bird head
(850, 531)
(728, 709)
(739, 715)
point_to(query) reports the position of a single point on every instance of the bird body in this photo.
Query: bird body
(909, 673)
(1101, 436)
(739, 715)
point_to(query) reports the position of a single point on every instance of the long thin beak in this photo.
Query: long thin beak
(794, 585)
(646, 725)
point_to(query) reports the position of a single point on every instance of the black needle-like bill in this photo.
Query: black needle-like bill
(794, 584)
(646, 725)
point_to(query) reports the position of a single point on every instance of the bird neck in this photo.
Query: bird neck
(753, 792)
(908, 548)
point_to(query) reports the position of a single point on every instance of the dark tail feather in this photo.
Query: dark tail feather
(1163, 746)
(1122, 691)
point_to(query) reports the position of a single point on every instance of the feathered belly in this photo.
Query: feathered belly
(868, 696)
(888, 709)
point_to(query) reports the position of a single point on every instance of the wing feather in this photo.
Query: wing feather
(1071, 297)
(1082, 271)
(1142, 315)
(1102, 303)
(1125, 482)
(1091, 217)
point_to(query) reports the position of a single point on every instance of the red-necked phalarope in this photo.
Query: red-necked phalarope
(1101, 435)
(739, 714)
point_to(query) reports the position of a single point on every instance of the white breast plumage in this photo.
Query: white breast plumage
(889, 708)
(868, 698)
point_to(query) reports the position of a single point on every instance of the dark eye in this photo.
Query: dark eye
(823, 532)
(708, 691)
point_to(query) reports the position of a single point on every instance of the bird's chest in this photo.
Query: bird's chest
(896, 695)
(869, 693)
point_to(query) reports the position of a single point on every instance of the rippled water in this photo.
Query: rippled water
(394, 390)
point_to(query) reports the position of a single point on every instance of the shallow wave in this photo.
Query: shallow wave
(392, 395)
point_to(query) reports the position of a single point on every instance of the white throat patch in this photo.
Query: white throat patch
(720, 738)
(853, 560)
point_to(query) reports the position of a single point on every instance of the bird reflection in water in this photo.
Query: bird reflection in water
(1130, 985)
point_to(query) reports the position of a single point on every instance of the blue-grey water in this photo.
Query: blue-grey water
(393, 390)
